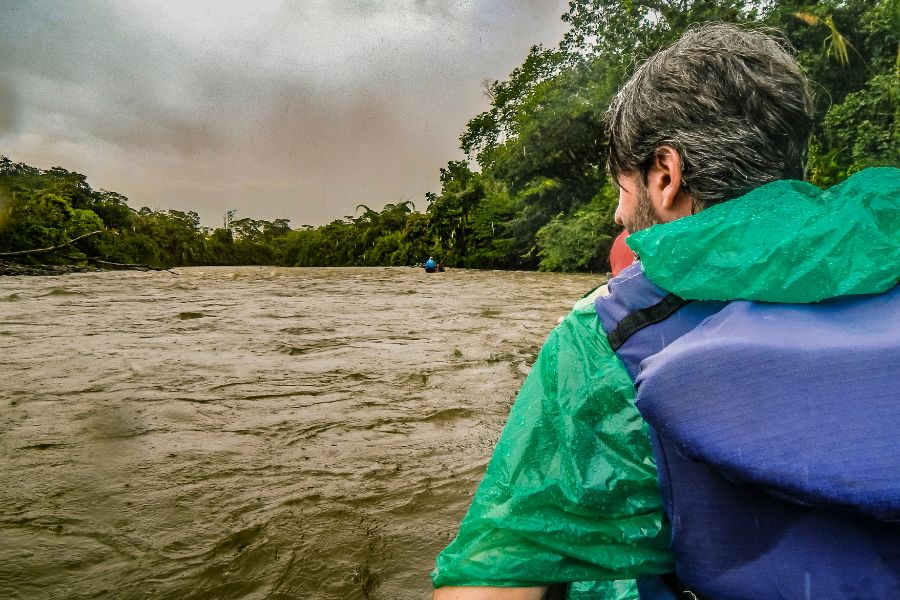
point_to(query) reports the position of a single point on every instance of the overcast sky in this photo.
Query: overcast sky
(278, 109)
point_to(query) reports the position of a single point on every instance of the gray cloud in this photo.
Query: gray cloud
(295, 109)
(9, 107)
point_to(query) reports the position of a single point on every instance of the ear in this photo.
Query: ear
(664, 185)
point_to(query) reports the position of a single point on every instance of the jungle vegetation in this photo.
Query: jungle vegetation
(533, 192)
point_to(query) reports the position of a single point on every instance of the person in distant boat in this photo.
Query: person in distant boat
(723, 423)
(440, 267)
(430, 265)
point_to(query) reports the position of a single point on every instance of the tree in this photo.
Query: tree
(450, 212)
(580, 241)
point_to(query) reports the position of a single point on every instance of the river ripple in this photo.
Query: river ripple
(253, 432)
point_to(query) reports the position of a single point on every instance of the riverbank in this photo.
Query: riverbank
(11, 268)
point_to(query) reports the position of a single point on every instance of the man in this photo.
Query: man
(758, 338)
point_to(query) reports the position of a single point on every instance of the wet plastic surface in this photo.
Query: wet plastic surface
(570, 493)
(787, 241)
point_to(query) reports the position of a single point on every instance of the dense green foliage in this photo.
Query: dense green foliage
(540, 146)
(534, 192)
(39, 209)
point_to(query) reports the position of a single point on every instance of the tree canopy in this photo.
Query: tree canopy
(533, 191)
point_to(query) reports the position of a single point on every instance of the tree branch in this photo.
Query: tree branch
(46, 250)
(115, 265)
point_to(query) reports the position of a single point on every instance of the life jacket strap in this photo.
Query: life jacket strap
(643, 317)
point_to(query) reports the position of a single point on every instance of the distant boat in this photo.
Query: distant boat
(433, 267)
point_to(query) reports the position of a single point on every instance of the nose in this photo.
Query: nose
(618, 216)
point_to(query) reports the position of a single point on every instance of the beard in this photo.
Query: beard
(644, 214)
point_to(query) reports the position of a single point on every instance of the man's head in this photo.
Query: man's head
(721, 111)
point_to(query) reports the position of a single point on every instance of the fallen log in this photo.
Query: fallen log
(115, 265)
(46, 250)
(91, 259)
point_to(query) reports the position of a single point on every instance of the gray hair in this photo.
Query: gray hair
(734, 104)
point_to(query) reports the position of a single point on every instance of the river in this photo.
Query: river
(253, 432)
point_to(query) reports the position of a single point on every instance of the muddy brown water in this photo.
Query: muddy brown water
(253, 432)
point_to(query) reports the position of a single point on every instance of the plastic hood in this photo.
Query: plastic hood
(787, 241)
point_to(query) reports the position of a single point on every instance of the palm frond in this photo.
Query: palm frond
(808, 18)
(837, 43)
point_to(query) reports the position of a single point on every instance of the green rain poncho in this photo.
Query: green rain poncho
(570, 494)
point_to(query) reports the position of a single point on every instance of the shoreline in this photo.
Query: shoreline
(17, 269)
(13, 269)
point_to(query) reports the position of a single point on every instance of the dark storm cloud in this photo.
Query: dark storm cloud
(294, 109)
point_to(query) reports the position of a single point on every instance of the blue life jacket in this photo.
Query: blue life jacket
(775, 430)
(430, 264)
